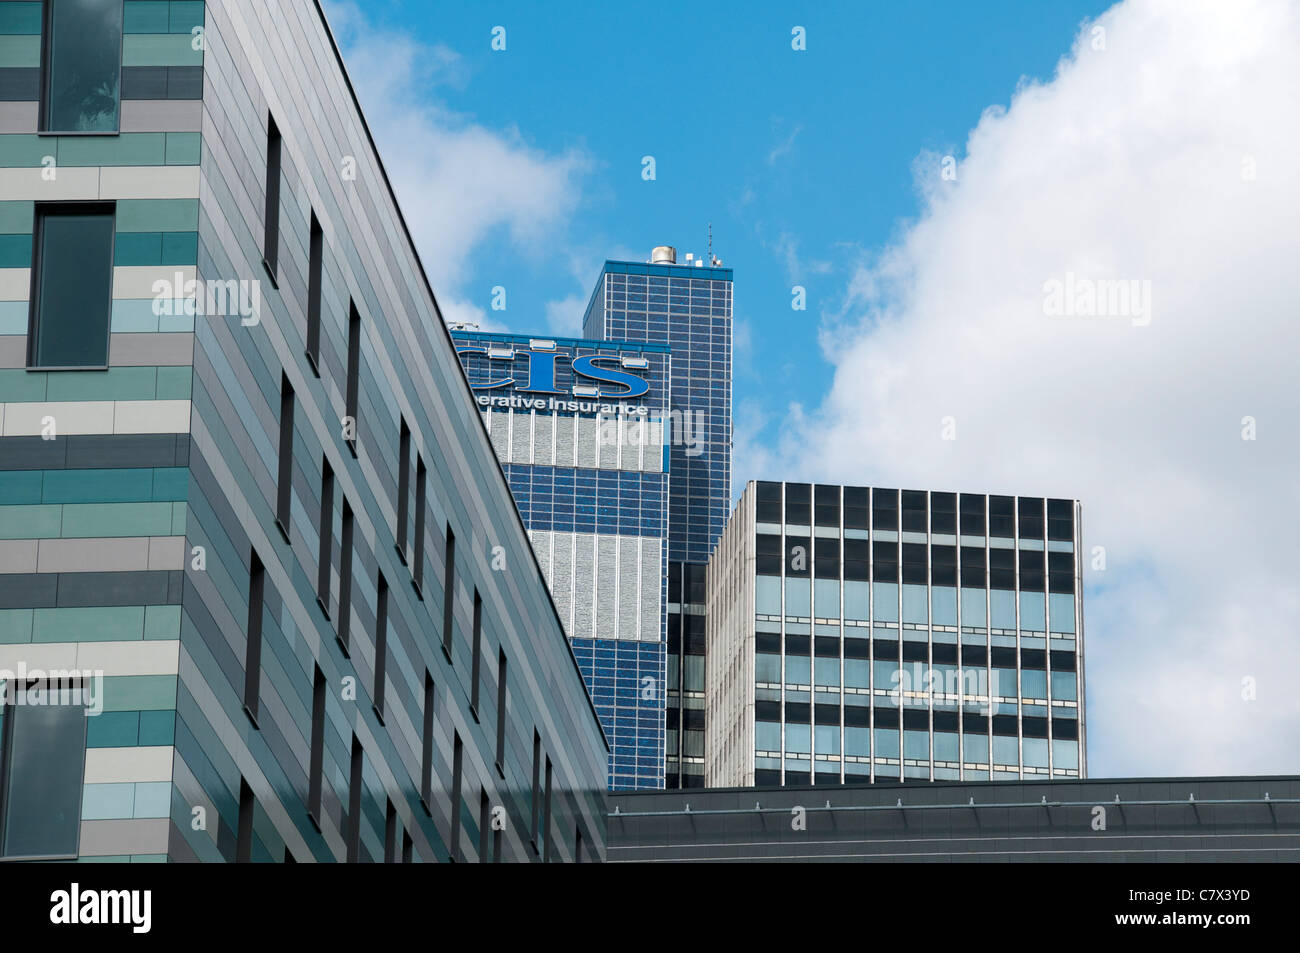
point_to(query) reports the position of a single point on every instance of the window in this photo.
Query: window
(426, 755)
(345, 579)
(546, 817)
(317, 766)
(457, 759)
(42, 766)
(408, 847)
(271, 241)
(354, 373)
(381, 645)
(484, 825)
(536, 801)
(244, 834)
(284, 481)
(448, 577)
(82, 65)
(577, 845)
(501, 713)
(390, 834)
(403, 486)
(477, 663)
(417, 572)
(253, 651)
(316, 254)
(72, 285)
(326, 536)
(354, 804)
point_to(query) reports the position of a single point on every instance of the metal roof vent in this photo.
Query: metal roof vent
(663, 255)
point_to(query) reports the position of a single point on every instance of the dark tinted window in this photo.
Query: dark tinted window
(43, 760)
(73, 288)
(884, 557)
(1060, 519)
(1031, 518)
(857, 507)
(884, 509)
(768, 505)
(1002, 516)
(798, 504)
(972, 515)
(83, 65)
(826, 501)
(914, 511)
(316, 255)
(972, 567)
(943, 513)
(271, 238)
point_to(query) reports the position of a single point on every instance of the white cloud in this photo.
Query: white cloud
(1135, 163)
(456, 180)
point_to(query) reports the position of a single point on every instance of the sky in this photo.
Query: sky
(1045, 248)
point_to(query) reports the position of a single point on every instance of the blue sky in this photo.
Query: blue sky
(803, 161)
(1138, 144)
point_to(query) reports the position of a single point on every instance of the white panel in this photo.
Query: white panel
(500, 433)
(586, 442)
(634, 433)
(137, 281)
(562, 581)
(72, 183)
(606, 588)
(607, 430)
(651, 588)
(583, 597)
(521, 437)
(109, 765)
(16, 285)
(24, 419)
(627, 586)
(543, 439)
(147, 182)
(653, 461)
(564, 441)
(541, 541)
(151, 416)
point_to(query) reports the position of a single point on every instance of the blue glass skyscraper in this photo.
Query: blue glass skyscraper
(688, 308)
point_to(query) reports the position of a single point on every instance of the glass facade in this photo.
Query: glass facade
(896, 635)
(688, 309)
(583, 450)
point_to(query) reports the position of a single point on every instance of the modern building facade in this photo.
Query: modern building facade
(688, 308)
(861, 634)
(251, 526)
(1147, 820)
(578, 427)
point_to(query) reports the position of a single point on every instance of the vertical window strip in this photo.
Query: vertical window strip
(271, 237)
(315, 262)
(284, 479)
(253, 649)
(417, 572)
(326, 536)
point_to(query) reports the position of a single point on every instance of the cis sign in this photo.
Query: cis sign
(541, 373)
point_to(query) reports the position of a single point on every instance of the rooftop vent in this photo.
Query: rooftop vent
(663, 255)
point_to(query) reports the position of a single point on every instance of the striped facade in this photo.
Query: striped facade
(144, 518)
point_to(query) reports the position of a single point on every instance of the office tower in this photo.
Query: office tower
(688, 308)
(268, 540)
(578, 428)
(867, 634)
